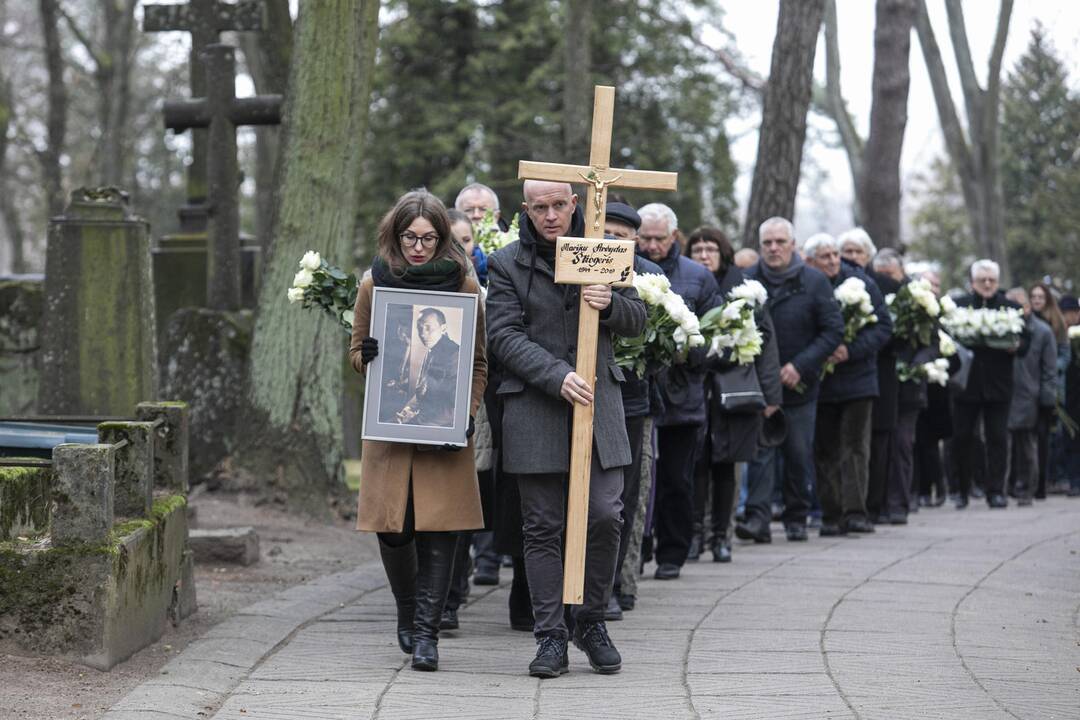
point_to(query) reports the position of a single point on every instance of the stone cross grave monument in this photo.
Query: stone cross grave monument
(590, 261)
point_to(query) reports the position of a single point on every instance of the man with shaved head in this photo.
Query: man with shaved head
(532, 333)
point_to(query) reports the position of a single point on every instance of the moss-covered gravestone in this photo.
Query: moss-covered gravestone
(21, 302)
(98, 335)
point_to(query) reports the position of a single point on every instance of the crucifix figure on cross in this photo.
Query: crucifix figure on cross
(589, 262)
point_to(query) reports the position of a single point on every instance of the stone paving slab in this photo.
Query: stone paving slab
(954, 616)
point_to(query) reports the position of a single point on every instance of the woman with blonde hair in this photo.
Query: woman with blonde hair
(417, 498)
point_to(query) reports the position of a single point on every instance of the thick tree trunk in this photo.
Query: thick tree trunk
(291, 437)
(114, 87)
(879, 186)
(268, 54)
(783, 122)
(56, 115)
(8, 210)
(837, 107)
(975, 157)
(578, 89)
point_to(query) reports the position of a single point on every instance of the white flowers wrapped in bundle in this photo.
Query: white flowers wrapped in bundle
(489, 236)
(937, 371)
(915, 311)
(857, 310)
(319, 284)
(986, 327)
(671, 328)
(731, 327)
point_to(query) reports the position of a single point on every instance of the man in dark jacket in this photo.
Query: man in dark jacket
(986, 397)
(808, 329)
(842, 432)
(682, 388)
(1034, 392)
(532, 332)
(622, 223)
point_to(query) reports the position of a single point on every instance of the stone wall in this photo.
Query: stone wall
(21, 314)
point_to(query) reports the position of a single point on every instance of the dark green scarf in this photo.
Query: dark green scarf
(442, 274)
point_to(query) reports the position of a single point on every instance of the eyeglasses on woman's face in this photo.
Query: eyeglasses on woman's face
(409, 240)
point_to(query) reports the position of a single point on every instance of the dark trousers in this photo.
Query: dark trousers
(459, 583)
(797, 453)
(484, 549)
(674, 511)
(1024, 462)
(842, 458)
(900, 487)
(881, 442)
(635, 430)
(929, 473)
(543, 511)
(995, 458)
(1042, 432)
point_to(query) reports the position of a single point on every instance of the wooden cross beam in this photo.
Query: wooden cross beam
(599, 177)
(205, 20)
(221, 111)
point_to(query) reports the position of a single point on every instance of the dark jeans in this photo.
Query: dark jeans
(543, 510)
(484, 549)
(797, 452)
(901, 482)
(1042, 432)
(1024, 462)
(881, 443)
(635, 430)
(675, 492)
(842, 458)
(995, 417)
(929, 473)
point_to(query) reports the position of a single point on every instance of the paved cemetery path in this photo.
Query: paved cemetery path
(957, 615)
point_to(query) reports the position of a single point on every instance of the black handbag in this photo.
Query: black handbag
(740, 391)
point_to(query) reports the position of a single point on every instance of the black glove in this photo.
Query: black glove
(369, 349)
(468, 434)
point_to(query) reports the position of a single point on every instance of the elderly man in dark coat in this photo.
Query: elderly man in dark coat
(1034, 391)
(532, 325)
(683, 390)
(808, 329)
(842, 432)
(987, 395)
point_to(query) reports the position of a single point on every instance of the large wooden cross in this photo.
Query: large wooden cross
(599, 177)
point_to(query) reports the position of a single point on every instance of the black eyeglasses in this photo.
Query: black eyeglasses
(409, 240)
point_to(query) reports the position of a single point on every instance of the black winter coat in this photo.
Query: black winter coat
(886, 407)
(808, 326)
(682, 387)
(991, 378)
(857, 378)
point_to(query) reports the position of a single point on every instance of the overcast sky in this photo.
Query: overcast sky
(824, 205)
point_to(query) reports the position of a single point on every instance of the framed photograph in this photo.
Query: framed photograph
(419, 386)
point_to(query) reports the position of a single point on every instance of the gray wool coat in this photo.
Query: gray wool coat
(532, 332)
(1034, 377)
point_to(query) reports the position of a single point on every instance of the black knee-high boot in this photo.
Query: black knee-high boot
(435, 568)
(401, 565)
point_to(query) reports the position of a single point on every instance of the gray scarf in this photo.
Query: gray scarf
(779, 277)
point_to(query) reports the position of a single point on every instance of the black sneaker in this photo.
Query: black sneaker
(551, 660)
(593, 640)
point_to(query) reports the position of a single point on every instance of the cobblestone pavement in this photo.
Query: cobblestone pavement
(972, 615)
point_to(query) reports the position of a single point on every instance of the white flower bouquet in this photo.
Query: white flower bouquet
(935, 371)
(984, 327)
(671, 329)
(1074, 342)
(915, 311)
(319, 284)
(857, 310)
(488, 236)
(731, 328)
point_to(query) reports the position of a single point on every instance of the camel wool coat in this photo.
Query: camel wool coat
(446, 494)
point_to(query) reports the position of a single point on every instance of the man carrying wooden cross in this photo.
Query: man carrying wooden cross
(532, 331)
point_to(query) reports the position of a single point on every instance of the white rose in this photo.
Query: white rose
(946, 344)
(311, 261)
(948, 305)
(347, 317)
(1074, 332)
(302, 279)
(295, 294)
(733, 310)
(751, 291)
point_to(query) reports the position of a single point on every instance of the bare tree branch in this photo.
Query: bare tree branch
(835, 104)
(969, 82)
(993, 83)
(82, 37)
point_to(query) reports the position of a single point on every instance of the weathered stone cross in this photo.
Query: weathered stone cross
(581, 262)
(205, 20)
(221, 111)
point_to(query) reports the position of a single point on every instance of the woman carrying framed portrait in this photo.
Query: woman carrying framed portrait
(418, 496)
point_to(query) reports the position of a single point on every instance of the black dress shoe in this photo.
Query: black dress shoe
(961, 502)
(593, 640)
(551, 660)
(897, 518)
(425, 655)
(666, 571)
(449, 619)
(831, 530)
(997, 501)
(796, 532)
(694, 552)
(755, 530)
(486, 575)
(613, 611)
(858, 525)
(721, 551)
(1025, 502)
(627, 601)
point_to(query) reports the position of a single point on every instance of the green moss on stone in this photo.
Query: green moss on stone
(24, 498)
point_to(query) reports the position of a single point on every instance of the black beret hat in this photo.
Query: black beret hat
(1069, 302)
(621, 212)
